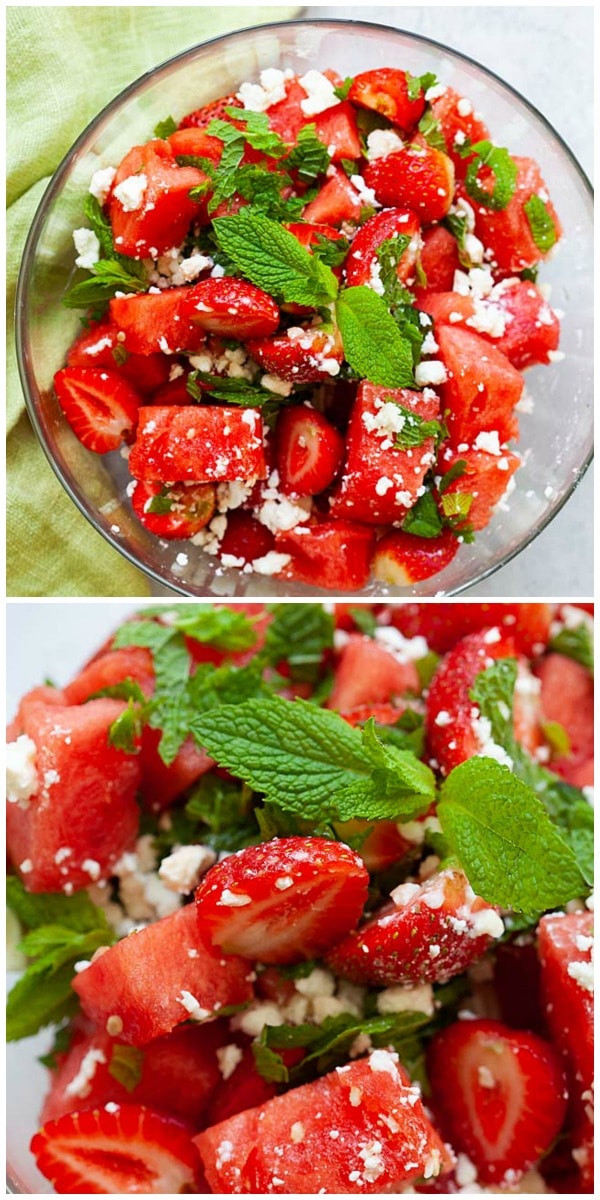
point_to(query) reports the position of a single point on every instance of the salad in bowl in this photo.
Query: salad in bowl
(304, 894)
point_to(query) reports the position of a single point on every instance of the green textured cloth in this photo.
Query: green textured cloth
(64, 65)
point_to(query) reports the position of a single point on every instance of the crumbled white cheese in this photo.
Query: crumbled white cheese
(228, 1058)
(22, 780)
(583, 974)
(271, 563)
(253, 1020)
(320, 982)
(234, 899)
(87, 247)
(406, 999)
(192, 1006)
(101, 183)
(81, 1084)
(489, 441)
(258, 97)
(280, 387)
(131, 191)
(430, 373)
(486, 922)
(404, 649)
(181, 870)
(366, 194)
(381, 142)
(320, 93)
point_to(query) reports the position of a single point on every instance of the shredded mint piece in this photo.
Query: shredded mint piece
(309, 157)
(165, 128)
(126, 1064)
(417, 430)
(162, 503)
(457, 470)
(529, 274)
(541, 223)
(343, 89)
(274, 260)
(576, 643)
(231, 391)
(415, 84)
(364, 619)
(557, 737)
(505, 171)
(423, 519)
(431, 130)
(256, 131)
(456, 504)
(373, 344)
(331, 251)
(299, 634)
(108, 277)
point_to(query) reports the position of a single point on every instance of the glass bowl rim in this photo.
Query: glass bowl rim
(22, 292)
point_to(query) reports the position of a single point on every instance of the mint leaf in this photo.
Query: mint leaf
(231, 391)
(222, 805)
(165, 128)
(415, 84)
(273, 259)
(161, 503)
(126, 730)
(126, 1064)
(51, 908)
(530, 274)
(457, 224)
(343, 88)
(576, 643)
(541, 223)
(504, 168)
(503, 838)
(224, 628)
(256, 131)
(417, 430)
(108, 277)
(373, 344)
(457, 470)
(431, 130)
(61, 1044)
(364, 618)
(331, 251)
(423, 519)
(299, 634)
(557, 737)
(311, 762)
(457, 504)
(310, 157)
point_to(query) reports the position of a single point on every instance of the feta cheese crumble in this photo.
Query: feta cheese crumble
(181, 870)
(87, 247)
(320, 93)
(131, 191)
(101, 183)
(22, 780)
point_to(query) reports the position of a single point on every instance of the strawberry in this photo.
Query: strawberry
(331, 554)
(309, 451)
(426, 933)
(383, 845)
(362, 258)
(232, 308)
(282, 900)
(403, 559)
(452, 736)
(444, 624)
(337, 201)
(367, 673)
(245, 538)
(200, 118)
(96, 348)
(120, 1148)
(99, 405)
(184, 509)
(456, 124)
(500, 1094)
(439, 260)
(386, 91)
(563, 942)
(197, 442)
(302, 355)
(417, 177)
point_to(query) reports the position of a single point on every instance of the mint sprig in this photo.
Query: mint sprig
(541, 223)
(274, 260)
(163, 129)
(504, 168)
(575, 643)
(299, 634)
(373, 344)
(114, 272)
(431, 130)
(309, 157)
(415, 84)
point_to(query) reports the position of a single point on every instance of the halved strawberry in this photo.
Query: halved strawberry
(286, 899)
(500, 1094)
(309, 451)
(426, 933)
(417, 177)
(201, 117)
(100, 406)
(180, 511)
(120, 1148)
(331, 554)
(439, 260)
(367, 673)
(402, 558)
(245, 538)
(361, 264)
(232, 308)
(337, 201)
(301, 355)
(96, 347)
(386, 91)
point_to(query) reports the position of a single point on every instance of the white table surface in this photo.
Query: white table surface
(546, 53)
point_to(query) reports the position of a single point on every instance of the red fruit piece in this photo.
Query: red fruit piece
(231, 308)
(485, 478)
(338, 130)
(132, 1149)
(444, 624)
(450, 721)
(194, 142)
(439, 260)
(500, 1094)
(332, 554)
(517, 985)
(380, 848)
(425, 934)
(337, 201)
(286, 899)
(458, 122)
(386, 91)
(83, 814)
(482, 388)
(301, 355)
(507, 233)
(384, 1136)
(361, 263)
(568, 697)
(244, 1088)
(198, 443)
(417, 177)
(95, 348)
(154, 322)
(149, 982)
(200, 118)
(99, 405)
(132, 662)
(178, 1074)
(173, 392)
(161, 784)
(379, 483)
(184, 509)
(402, 559)
(309, 451)
(530, 328)
(367, 673)
(245, 538)
(150, 208)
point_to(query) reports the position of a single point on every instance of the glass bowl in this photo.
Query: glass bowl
(556, 436)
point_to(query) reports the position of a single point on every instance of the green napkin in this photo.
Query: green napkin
(64, 64)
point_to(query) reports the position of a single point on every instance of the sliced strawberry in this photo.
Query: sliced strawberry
(99, 405)
(183, 509)
(568, 697)
(245, 539)
(367, 673)
(309, 451)
(124, 1148)
(154, 322)
(361, 264)
(301, 355)
(283, 900)
(507, 233)
(199, 443)
(402, 559)
(417, 177)
(444, 624)
(452, 735)
(382, 1136)
(439, 260)
(485, 478)
(308, 234)
(337, 201)
(386, 91)
(500, 1094)
(200, 118)
(96, 348)
(426, 933)
(482, 388)
(159, 213)
(338, 130)
(458, 123)
(331, 554)
(150, 982)
(232, 308)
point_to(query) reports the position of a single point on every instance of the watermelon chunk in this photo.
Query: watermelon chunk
(152, 322)
(367, 673)
(157, 216)
(486, 477)
(482, 387)
(329, 554)
(507, 233)
(198, 442)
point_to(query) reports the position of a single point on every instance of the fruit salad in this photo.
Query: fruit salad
(304, 891)
(309, 307)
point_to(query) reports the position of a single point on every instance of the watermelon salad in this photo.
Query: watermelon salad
(308, 312)
(305, 892)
